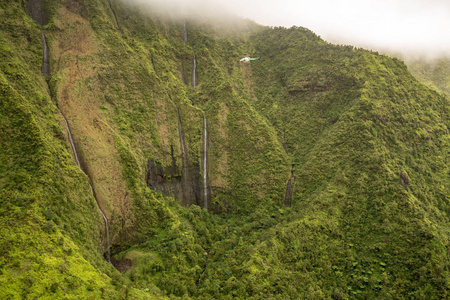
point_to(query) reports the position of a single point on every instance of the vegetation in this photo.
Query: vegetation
(366, 142)
(435, 73)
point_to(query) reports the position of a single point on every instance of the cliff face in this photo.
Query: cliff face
(323, 162)
(131, 109)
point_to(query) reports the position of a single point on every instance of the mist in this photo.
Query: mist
(189, 9)
(413, 28)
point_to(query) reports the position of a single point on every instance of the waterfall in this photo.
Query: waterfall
(46, 72)
(185, 32)
(72, 144)
(45, 59)
(108, 241)
(35, 9)
(205, 164)
(186, 195)
(194, 73)
(181, 135)
(77, 160)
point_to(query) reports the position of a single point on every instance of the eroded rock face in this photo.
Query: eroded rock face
(180, 182)
(166, 180)
(35, 8)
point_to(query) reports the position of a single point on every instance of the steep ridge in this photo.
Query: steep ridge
(364, 141)
(130, 120)
(435, 73)
(41, 19)
(44, 250)
(375, 130)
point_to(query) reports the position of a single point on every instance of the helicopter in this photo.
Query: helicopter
(247, 59)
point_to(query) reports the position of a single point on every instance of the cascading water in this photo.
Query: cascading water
(72, 144)
(77, 160)
(184, 162)
(35, 9)
(108, 242)
(190, 173)
(46, 72)
(181, 135)
(205, 163)
(45, 59)
(194, 73)
(185, 35)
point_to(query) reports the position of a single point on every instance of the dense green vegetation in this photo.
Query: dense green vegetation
(365, 141)
(366, 162)
(435, 73)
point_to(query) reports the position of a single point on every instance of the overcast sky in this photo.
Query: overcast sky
(411, 26)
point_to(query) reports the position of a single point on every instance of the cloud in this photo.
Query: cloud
(406, 26)
(187, 8)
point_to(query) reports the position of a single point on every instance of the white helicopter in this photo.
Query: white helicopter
(249, 59)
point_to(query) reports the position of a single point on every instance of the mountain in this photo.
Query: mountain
(141, 159)
(435, 73)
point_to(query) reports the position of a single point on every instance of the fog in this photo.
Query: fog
(409, 27)
(205, 9)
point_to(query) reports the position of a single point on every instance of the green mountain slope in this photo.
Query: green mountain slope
(49, 222)
(322, 172)
(435, 73)
(373, 163)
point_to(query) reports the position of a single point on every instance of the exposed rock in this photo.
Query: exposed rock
(35, 8)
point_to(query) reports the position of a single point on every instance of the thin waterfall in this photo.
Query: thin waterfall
(77, 160)
(108, 241)
(35, 8)
(186, 195)
(46, 72)
(205, 163)
(194, 73)
(181, 135)
(72, 144)
(45, 58)
(185, 35)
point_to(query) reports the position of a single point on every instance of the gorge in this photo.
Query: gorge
(319, 171)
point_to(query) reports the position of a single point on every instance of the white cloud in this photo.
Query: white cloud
(396, 25)
(413, 26)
